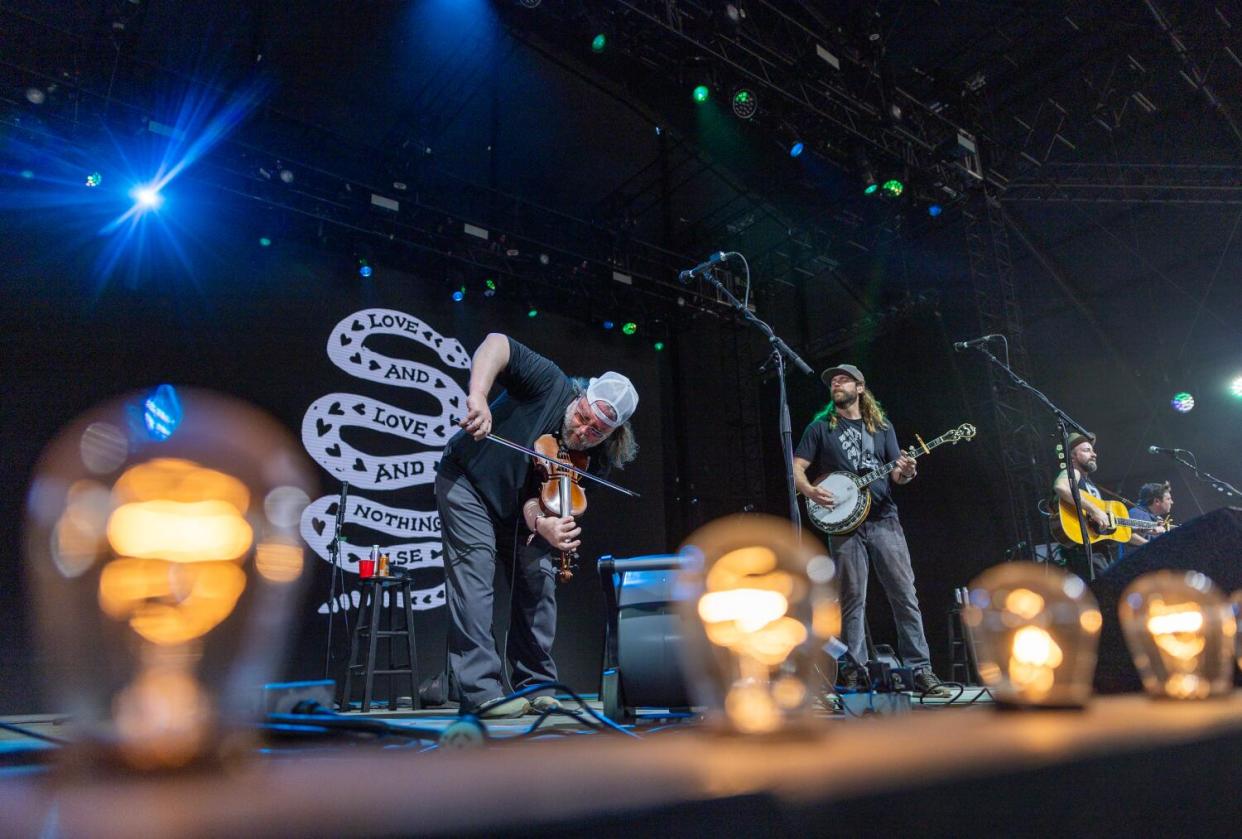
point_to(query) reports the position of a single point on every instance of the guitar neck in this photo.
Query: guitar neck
(914, 452)
(1138, 524)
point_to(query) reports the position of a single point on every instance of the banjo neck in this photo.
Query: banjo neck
(914, 452)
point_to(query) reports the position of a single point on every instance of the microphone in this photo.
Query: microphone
(703, 267)
(973, 342)
(1163, 450)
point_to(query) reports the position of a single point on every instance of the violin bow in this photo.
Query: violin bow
(567, 467)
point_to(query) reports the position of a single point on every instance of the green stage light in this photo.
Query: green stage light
(532, 312)
(264, 242)
(94, 179)
(1235, 387)
(701, 93)
(599, 42)
(745, 104)
(893, 188)
(629, 327)
(659, 346)
(871, 188)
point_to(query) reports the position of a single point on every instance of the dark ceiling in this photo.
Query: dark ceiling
(1107, 133)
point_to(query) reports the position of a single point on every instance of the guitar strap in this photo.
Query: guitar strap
(868, 445)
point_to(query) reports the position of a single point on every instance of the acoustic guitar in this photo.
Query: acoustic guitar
(853, 499)
(1120, 527)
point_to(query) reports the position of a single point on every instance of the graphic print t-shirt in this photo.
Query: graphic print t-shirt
(843, 449)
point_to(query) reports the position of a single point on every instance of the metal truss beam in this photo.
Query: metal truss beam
(1130, 183)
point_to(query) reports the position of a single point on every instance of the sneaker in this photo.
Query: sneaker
(545, 704)
(503, 709)
(928, 684)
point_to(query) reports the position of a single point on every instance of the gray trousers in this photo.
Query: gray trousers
(884, 542)
(470, 554)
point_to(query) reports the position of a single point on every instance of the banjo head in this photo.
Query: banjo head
(848, 498)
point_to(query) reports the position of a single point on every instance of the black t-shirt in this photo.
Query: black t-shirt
(535, 398)
(842, 449)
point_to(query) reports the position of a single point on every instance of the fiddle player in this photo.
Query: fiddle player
(488, 499)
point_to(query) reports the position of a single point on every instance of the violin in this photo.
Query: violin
(561, 493)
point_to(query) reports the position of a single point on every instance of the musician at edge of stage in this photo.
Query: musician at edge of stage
(488, 499)
(853, 434)
(1156, 505)
(1083, 461)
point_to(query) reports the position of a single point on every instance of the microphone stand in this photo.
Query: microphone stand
(780, 353)
(1216, 483)
(334, 553)
(1064, 423)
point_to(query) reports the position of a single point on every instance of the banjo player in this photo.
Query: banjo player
(852, 433)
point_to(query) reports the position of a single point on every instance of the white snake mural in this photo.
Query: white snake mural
(412, 537)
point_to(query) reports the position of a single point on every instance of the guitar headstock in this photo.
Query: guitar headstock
(965, 431)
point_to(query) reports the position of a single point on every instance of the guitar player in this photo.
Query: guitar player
(1083, 462)
(853, 434)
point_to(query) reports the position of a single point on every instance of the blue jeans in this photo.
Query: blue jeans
(883, 542)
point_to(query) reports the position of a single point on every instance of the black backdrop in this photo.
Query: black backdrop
(254, 322)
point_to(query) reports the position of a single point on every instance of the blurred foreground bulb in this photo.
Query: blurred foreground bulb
(1035, 631)
(759, 608)
(164, 570)
(1180, 630)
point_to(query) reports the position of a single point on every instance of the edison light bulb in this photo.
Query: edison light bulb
(1181, 632)
(759, 607)
(1035, 630)
(162, 542)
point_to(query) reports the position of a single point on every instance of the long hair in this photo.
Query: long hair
(872, 411)
(621, 446)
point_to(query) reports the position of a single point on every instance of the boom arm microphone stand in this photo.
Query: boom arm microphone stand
(338, 571)
(1216, 483)
(780, 353)
(1064, 423)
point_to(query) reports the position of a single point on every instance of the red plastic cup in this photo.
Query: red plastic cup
(366, 568)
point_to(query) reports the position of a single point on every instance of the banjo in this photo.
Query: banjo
(853, 499)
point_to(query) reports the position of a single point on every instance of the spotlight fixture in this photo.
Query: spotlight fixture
(935, 210)
(35, 96)
(629, 327)
(599, 42)
(544, 259)
(489, 287)
(658, 346)
(265, 242)
(1181, 633)
(1035, 629)
(94, 179)
(796, 148)
(892, 188)
(1235, 387)
(286, 175)
(364, 268)
(532, 312)
(760, 606)
(147, 196)
(745, 104)
(608, 325)
(701, 93)
(459, 294)
(1183, 402)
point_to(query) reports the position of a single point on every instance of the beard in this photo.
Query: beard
(1090, 466)
(843, 399)
(567, 436)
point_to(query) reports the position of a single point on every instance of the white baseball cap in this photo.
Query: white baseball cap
(616, 391)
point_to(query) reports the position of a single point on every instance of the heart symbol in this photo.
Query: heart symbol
(357, 326)
(334, 450)
(331, 511)
(322, 427)
(439, 383)
(452, 420)
(318, 524)
(359, 466)
(360, 409)
(335, 409)
(440, 594)
(374, 364)
(439, 431)
(427, 598)
(454, 402)
(356, 358)
(346, 340)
